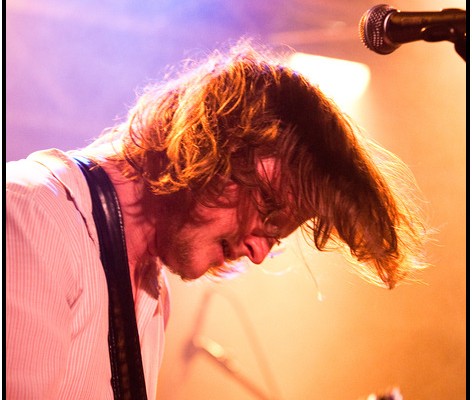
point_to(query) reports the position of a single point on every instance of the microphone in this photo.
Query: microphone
(383, 28)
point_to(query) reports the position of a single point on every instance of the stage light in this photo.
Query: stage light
(341, 80)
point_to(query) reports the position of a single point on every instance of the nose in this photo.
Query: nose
(256, 248)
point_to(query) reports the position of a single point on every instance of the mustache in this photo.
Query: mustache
(228, 270)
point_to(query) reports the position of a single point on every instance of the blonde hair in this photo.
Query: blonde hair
(215, 122)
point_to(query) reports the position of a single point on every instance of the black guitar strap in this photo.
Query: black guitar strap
(123, 339)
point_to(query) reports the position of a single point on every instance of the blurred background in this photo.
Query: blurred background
(302, 326)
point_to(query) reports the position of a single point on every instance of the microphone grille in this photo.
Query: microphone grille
(372, 29)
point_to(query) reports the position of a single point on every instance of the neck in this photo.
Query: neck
(139, 223)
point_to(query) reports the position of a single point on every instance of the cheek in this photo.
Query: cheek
(209, 218)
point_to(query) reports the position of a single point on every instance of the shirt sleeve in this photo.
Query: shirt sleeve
(39, 295)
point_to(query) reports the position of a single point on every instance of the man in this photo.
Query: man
(216, 165)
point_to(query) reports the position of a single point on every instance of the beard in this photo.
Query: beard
(230, 269)
(181, 256)
(184, 240)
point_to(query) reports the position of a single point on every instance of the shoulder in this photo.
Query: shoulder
(48, 204)
(51, 182)
(49, 222)
(41, 172)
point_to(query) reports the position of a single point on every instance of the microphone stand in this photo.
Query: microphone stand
(201, 344)
(456, 35)
(217, 353)
(461, 47)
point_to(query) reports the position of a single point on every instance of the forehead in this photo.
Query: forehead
(266, 168)
(273, 186)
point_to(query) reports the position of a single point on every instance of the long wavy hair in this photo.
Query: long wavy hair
(215, 122)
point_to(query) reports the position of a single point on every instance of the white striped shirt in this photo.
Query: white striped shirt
(56, 291)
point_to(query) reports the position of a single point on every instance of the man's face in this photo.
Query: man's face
(221, 234)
